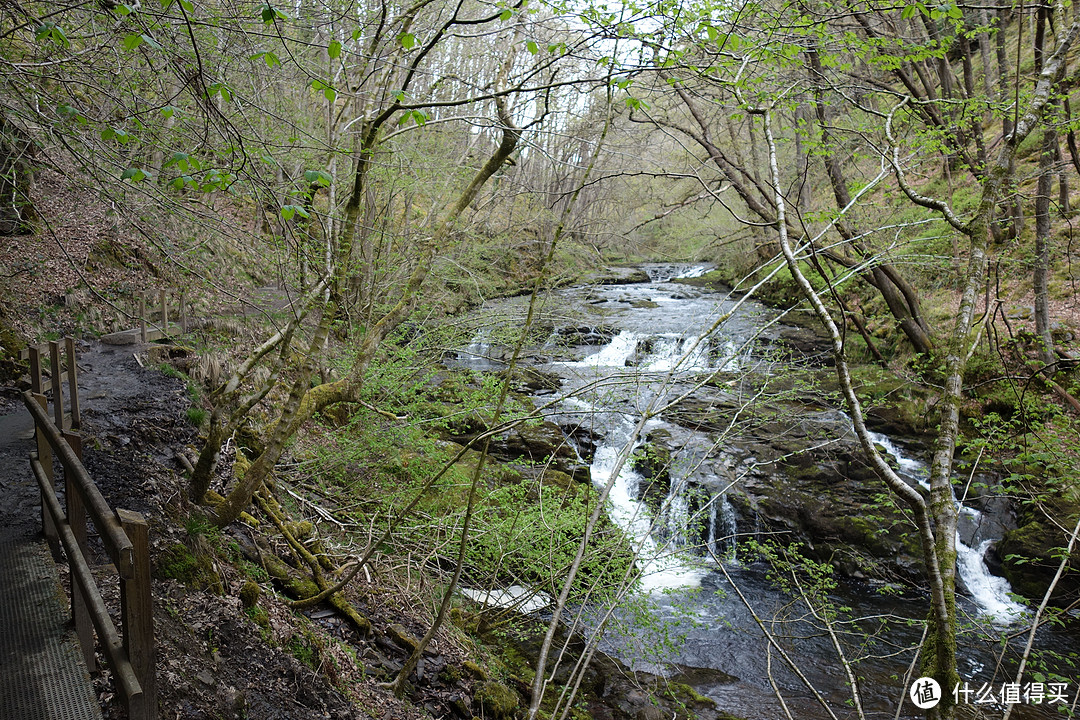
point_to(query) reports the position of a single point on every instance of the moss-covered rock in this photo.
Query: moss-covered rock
(249, 593)
(475, 670)
(179, 562)
(495, 700)
(402, 637)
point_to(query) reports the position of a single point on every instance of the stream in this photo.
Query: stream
(631, 359)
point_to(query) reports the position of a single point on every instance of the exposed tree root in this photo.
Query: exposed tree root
(299, 588)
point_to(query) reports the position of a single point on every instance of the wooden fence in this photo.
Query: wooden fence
(123, 533)
(163, 314)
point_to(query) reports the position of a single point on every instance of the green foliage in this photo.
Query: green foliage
(305, 647)
(196, 416)
(191, 567)
(528, 533)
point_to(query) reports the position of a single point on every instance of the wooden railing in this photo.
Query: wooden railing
(163, 314)
(123, 533)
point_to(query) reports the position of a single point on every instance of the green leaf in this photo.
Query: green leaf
(416, 115)
(268, 14)
(181, 160)
(168, 111)
(187, 5)
(51, 31)
(506, 14)
(123, 10)
(134, 175)
(220, 88)
(334, 50)
(288, 211)
(330, 94)
(150, 41)
(407, 40)
(532, 47)
(318, 177)
(132, 41)
(118, 134)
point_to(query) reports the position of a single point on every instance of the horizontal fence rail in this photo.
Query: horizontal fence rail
(124, 535)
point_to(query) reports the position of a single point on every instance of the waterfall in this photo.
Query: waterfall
(989, 592)
(664, 273)
(661, 565)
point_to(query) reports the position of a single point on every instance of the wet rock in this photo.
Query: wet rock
(530, 380)
(617, 276)
(543, 442)
(650, 712)
(585, 335)
(653, 462)
(829, 500)
(585, 438)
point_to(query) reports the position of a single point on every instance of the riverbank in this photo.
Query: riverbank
(352, 467)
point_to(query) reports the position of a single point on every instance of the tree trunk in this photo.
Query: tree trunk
(1042, 245)
(17, 212)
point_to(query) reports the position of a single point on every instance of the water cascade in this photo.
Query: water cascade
(635, 348)
(990, 593)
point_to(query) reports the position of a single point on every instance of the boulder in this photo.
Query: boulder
(1030, 557)
(542, 442)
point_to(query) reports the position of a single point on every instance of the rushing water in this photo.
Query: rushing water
(638, 348)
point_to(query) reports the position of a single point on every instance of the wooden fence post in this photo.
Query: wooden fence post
(57, 385)
(76, 516)
(164, 313)
(183, 312)
(35, 370)
(142, 316)
(137, 613)
(45, 454)
(73, 386)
